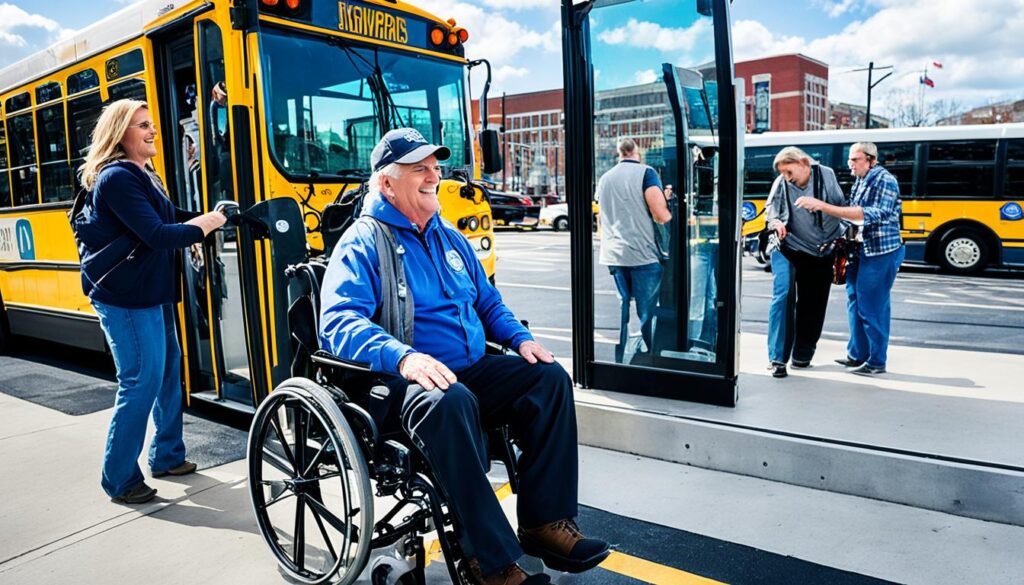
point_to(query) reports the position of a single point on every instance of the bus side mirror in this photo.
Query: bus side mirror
(492, 162)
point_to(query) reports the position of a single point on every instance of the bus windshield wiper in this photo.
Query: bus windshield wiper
(354, 173)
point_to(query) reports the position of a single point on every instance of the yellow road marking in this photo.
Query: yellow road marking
(621, 563)
(648, 572)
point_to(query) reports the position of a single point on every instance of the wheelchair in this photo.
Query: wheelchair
(317, 460)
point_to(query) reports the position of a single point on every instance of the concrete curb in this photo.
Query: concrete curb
(962, 489)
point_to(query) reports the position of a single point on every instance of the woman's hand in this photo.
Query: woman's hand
(208, 221)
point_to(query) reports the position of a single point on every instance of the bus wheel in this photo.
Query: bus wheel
(561, 224)
(964, 252)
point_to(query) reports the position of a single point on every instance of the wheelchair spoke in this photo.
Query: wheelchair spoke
(300, 533)
(281, 496)
(284, 445)
(277, 462)
(316, 459)
(301, 435)
(340, 525)
(323, 532)
(330, 475)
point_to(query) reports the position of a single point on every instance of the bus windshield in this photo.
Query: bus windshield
(327, 101)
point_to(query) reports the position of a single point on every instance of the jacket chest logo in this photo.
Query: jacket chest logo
(455, 261)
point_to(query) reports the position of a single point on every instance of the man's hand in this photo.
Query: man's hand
(426, 371)
(809, 203)
(533, 351)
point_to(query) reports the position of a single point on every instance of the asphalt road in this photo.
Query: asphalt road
(930, 309)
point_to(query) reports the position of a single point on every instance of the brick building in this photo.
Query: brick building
(785, 93)
(533, 142)
(998, 113)
(842, 116)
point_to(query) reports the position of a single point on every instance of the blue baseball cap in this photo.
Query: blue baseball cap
(405, 146)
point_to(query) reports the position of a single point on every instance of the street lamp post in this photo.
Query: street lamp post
(871, 69)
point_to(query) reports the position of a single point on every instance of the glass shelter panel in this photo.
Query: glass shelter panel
(662, 275)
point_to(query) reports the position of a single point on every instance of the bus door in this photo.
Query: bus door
(618, 85)
(223, 331)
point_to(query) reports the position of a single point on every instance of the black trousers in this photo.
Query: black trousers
(811, 284)
(536, 401)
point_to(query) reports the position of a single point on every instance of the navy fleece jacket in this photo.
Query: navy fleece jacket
(131, 240)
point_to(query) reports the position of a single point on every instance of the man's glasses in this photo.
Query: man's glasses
(147, 126)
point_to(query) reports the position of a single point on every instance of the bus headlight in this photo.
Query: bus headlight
(485, 243)
(485, 222)
(473, 224)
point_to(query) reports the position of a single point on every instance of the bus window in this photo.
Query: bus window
(83, 81)
(48, 92)
(758, 173)
(124, 65)
(961, 169)
(1014, 185)
(134, 89)
(20, 135)
(213, 101)
(896, 157)
(17, 102)
(54, 171)
(5, 185)
(83, 112)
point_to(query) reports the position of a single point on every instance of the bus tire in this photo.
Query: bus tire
(964, 251)
(561, 224)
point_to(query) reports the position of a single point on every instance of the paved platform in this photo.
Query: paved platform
(60, 527)
(939, 431)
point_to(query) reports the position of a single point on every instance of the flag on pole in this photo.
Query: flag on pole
(927, 81)
(936, 64)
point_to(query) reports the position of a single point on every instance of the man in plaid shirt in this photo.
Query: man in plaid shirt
(875, 204)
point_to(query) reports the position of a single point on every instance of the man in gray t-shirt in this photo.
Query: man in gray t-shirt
(802, 265)
(632, 201)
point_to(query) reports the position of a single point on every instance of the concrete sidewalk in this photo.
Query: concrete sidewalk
(60, 527)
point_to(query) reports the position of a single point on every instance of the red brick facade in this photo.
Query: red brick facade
(799, 91)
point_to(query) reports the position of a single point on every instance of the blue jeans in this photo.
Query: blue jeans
(642, 284)
(782, 310)
(869, 286)
(145, 348)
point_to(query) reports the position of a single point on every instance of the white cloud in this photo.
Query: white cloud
(836, 8)
(977, 45)
(13, 17)
(522, 4)
(651, 35)
(506, 72)
(492, 36)
(645, 76)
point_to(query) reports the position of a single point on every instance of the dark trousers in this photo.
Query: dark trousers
(536, 401)
(812, 282)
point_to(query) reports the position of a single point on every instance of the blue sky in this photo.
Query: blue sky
(977, 42)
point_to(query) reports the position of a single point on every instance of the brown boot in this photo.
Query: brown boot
(510, 575)
(563, 547)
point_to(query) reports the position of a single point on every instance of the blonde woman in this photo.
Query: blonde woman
(129, 239)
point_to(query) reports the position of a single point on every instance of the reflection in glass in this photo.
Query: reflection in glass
(655, 83)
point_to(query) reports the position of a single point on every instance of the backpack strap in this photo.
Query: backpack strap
(396, 307)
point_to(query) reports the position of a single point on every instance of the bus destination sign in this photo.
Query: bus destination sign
(372, 22)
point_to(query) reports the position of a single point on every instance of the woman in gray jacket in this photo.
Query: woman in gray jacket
(802, 261)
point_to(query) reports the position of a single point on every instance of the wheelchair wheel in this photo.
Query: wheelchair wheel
(310, 486)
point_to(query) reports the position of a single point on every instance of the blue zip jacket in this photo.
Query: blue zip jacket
(130, 239)
(456, 307)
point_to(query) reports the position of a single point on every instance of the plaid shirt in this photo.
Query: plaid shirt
(878, 194)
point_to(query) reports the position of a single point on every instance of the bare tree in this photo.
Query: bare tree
(908, 109)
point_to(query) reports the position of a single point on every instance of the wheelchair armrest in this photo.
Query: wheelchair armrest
(326, 358)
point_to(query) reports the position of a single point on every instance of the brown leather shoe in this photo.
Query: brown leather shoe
(184, 469)
(563, 547)
(510, 575)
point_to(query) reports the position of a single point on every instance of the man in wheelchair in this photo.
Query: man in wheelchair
(404, 293)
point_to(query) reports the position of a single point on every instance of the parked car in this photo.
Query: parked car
(557, 216)
(513, 209)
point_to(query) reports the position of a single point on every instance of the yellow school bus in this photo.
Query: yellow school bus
(962, 187)
(273, 104)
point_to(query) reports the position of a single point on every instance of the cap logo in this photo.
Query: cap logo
(413, 135)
